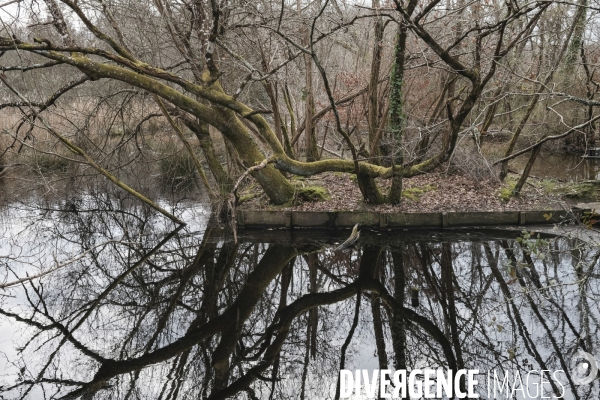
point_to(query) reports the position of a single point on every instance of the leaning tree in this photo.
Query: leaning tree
(208, 65)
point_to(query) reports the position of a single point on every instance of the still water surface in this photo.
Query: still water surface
(566, 167)
(137, 310)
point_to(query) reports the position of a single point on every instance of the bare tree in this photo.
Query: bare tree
(198, 61)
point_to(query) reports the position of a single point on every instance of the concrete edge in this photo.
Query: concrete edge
(384, 220)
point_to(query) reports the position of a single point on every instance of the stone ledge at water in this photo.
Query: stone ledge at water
(385, 220)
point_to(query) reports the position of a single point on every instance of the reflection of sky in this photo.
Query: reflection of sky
(15, 241)
(500, 331)
(30, 245)
(26, 232)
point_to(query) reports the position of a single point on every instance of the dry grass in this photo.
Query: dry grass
(136, 153)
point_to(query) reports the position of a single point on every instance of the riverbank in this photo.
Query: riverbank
(436, 192)
(434, 200)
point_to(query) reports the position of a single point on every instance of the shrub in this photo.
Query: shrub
(178, 170)
(506, 193)
(48, 163)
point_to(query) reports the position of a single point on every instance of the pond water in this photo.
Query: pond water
(135, 309)
(566, 167)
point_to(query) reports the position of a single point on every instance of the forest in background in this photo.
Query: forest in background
(215, 90)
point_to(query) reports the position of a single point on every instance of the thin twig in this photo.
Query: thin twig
(59, 266)
(233, 198)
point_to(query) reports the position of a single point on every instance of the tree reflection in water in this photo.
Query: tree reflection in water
(143, 313)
